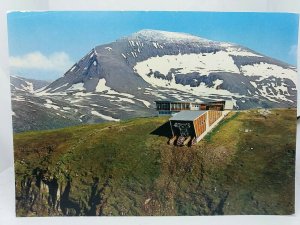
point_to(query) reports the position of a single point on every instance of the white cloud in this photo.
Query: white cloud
(58, 61)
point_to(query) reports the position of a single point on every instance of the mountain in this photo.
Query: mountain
(175, 65)
(128, 169)
(122, 79)
(18, 83)
(33, 112)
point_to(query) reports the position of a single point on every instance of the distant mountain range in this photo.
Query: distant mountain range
(26, 85)
(122, 80)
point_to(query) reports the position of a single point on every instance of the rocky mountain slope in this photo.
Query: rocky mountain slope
(122, 79)
(26, 85)
(33, 112)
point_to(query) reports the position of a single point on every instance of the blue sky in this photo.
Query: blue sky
(56, 40)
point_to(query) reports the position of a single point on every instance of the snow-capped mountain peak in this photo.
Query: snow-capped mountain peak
(123, 79)
(159, 35)
(152, 65)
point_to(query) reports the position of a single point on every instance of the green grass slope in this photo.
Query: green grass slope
(244, 166)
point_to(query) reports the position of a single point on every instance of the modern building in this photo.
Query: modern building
(171, 107)
(220, 105)
(189, 127)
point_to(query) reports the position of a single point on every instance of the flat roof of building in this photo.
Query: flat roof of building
(189, 115)
(173, 101)
(194, 102)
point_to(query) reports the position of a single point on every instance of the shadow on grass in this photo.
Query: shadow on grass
(163, 131)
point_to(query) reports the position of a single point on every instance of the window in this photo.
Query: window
(164, 106)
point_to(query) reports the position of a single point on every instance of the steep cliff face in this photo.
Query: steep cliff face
(41, 195)
(128, 169)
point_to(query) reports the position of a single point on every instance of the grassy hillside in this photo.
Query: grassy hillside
(244, 166)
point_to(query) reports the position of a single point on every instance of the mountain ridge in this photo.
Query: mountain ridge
(124, 78)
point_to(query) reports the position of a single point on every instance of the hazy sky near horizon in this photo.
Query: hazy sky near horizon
(43, 45)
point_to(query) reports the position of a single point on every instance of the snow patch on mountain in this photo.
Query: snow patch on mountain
(146, 103)
(109, 118)
(204, 63)
(49, 104)
(45, 92)
(73, 68)
(28, 87)
(83, 94)
(253, 84)
(77, 87)
(187, 63)
(124, 100)
(217, 83)
(167, 36)
(240, 52)
(18, 98)
(66, 84)
(101, 87)
(265, 70)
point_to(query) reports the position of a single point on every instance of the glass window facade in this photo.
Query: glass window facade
(163, 106)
